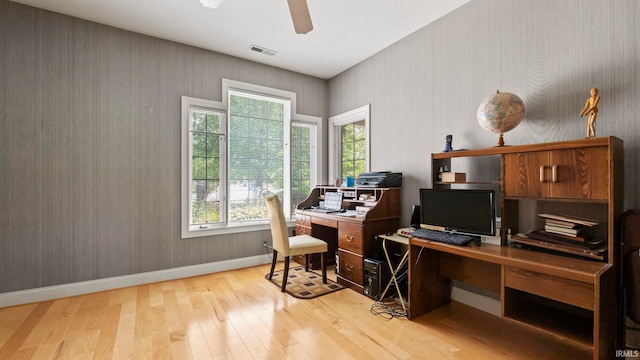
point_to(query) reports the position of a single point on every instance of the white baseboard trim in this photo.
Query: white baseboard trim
(480, 302)
(85, 287)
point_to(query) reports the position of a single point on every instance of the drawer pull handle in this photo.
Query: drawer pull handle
(349, 238)
(554, 173)
(347, 267)
(542, 173)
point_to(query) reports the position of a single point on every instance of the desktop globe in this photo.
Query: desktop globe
(501, 112)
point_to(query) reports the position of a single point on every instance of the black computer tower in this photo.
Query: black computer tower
(375, 275)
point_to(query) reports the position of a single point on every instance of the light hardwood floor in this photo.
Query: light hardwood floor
(240, 315)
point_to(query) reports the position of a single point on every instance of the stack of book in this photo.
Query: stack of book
(566, 234)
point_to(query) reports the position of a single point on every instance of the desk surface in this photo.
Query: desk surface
(349, 216)
(337, 216)
(396, 238)
(570, 268)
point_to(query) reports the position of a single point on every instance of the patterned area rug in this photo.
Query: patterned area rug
(304, 285)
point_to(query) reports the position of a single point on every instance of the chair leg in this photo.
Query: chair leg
(273, 263)
(306, 262)
(285, 275)
(323, 264)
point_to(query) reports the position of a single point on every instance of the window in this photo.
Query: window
(259, 137)
(303, 155)
(349, 138)
(237, 151)
(207, 165)
(353, 148)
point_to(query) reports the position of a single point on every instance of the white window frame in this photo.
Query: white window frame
(191, 231)
(315, 123)
(187, 103)
(335, 149)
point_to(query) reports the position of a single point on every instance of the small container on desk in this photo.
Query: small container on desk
(454, 177)
(361, 211)
(350, 181)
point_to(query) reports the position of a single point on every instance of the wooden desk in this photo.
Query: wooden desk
(352, 236)
(574, 300)
(569, 299)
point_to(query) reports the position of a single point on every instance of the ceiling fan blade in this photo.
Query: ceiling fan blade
(300, 16)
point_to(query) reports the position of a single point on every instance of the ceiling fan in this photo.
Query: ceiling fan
(298, 8)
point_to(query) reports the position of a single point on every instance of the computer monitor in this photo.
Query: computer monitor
(462, 211)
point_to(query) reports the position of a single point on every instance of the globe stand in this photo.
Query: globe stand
(500, 140)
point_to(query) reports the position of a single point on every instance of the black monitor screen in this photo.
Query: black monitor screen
(456, 210)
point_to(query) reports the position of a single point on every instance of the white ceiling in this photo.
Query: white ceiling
(345, 32)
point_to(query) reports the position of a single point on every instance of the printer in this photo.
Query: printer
(379, 179)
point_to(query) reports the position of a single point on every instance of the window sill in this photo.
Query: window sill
(195, 232)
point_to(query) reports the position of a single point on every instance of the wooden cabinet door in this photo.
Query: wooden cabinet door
(579, 173)
(572, 174)
(527, 174)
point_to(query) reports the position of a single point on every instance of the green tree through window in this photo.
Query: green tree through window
(301, 152)
(205, 166)
(256, 155)
(353, 139)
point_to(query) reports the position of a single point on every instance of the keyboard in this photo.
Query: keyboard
(441, 236)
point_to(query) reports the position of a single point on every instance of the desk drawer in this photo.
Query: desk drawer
(350, 237)
(552, 287)
(332, 223)
(351, 267)
(303, 225)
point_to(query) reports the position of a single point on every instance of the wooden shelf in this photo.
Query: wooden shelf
(500, 150)
(468, 183)
(538, 313)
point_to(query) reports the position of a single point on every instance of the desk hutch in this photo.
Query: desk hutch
(349, 234)
(574, 300)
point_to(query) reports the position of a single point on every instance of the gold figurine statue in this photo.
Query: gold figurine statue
(591, 108)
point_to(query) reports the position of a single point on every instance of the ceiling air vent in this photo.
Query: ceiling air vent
(262, 50)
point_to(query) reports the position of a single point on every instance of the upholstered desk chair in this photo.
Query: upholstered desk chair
(291, 245)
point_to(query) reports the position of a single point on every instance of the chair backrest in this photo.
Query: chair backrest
(279, 231)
